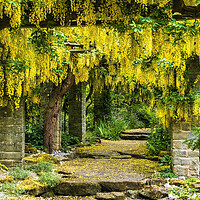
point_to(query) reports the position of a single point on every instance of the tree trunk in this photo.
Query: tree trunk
(65, 114)
(53, 110)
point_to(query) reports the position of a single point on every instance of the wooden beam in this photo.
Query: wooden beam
(74, 45)
(182, 12)
(77, 51)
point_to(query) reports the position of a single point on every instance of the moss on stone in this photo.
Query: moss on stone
(32, 187)
(41, 157)
(177, 182)
(30, 149)
(47, 157)
(6, 179)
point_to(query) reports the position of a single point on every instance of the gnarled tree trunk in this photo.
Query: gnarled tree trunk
(53, 110)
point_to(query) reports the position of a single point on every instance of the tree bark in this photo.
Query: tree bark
(53, 110)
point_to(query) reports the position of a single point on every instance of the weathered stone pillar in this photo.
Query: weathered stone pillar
(77, 111)
(102, 104)
(185, 161)
(12, 136)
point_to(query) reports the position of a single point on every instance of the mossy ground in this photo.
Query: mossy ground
(107, 146)
(108, 166)
(111, 168)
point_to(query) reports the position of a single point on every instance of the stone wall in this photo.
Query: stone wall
(185, 161)
(12, 137)
(77, 111)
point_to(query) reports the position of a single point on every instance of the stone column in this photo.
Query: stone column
(77, 111)
(102, 104)
(185, 161)
(12, 136)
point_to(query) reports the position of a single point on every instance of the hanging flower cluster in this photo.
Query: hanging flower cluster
(151, 54)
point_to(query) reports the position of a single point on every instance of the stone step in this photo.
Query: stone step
(138, 156)
(134, 136)
(110, 196)
(140, 131)
(115, 190)
(87, 188)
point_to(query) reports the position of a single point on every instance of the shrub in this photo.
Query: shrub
(168, 173)
(34, 133)
(166, 160)
(194, 142)
(184, 192)
(50, 179)
(158, 140)
(140, 116)
(19, 173)
(40, 167)
(112, 129)
(7, 187)
(11, 189)
(92, 138)
(68, 140)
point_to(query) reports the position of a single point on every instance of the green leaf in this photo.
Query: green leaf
(9, 2)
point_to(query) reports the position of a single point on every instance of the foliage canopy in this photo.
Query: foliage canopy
(140, 40)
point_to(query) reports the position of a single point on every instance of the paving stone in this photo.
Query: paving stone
(110, 186)
(77, 188)
(122, 157)
(154, 192)
(119, 195)
(156, 181)
(177, 182)
(110, 196)
(132, 194)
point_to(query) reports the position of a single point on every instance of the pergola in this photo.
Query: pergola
(185, 161)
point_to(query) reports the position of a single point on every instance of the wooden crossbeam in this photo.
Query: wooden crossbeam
(77, 51)
(182, 12)
(74, 45)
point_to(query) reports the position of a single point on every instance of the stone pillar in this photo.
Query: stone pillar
(77, 111)
(185, 161)
(12, 136)
(102, 105)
